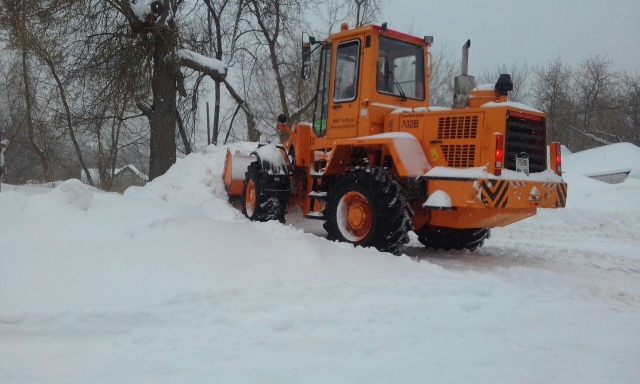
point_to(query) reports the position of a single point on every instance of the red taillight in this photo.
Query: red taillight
(558, 159)
(499, 155)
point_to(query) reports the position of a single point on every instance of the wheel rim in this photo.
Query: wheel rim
(250, 198)
(354, 216)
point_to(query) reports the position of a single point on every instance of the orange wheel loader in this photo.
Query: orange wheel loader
(378, 161)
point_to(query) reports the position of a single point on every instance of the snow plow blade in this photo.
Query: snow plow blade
(235, 167)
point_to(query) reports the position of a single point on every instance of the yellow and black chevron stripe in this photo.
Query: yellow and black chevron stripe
(561, 200)
(495, 195)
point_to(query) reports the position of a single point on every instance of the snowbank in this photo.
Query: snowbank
(194, 180)
(614, 158)
(169, 283)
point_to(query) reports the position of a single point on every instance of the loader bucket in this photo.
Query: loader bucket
(235, 167)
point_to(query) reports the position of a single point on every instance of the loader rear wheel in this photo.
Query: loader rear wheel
(260, 205)
(367, 207)
(451, 238)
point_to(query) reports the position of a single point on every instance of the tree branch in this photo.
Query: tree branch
(211, 67)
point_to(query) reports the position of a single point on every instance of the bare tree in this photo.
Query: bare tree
(366, 11)
(156, 27)
(21, 19)
(225, 35)
(551, 87)
(629, 103)
(593, 98)
(279, 27)
(444, 68)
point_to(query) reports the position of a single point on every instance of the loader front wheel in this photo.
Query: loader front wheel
(258, 204)
(451, 238)
(367, 207)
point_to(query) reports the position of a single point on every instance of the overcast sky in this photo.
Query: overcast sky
(534, 31)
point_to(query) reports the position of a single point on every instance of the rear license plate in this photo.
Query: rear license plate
(522, 165)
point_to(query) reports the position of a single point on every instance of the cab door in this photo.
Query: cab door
(343, 104)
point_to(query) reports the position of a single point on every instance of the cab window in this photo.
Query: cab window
(322, 95)
(345, 85)
(400, 69)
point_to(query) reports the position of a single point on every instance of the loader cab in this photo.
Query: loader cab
(339, 89)
(363, 74)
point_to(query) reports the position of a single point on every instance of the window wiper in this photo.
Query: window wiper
(402, 95)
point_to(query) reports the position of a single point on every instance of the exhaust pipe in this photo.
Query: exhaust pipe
(465, 57)
(463, 84)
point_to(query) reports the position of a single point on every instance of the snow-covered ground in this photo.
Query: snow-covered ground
(170, 284)
(614, 158)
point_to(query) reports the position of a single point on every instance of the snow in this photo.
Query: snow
(409, 150)
(398, 110)
(431, 109)
(511, 104)
(194, 180)
(391, 106)
(485, 87)
(417, 109)
(206, 62)
(614, 158)
(141, 11)
(439, 199)
(481, 173)
(169, 283)
(25, 190)
(274, 157)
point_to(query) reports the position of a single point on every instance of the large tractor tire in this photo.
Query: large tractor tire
(367, 207)
(451, 238)
(258, 204)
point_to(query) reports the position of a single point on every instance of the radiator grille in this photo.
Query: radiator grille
(526, 136)
(459, 155)
(458, 127)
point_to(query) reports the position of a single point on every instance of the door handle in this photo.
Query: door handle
(336, 106)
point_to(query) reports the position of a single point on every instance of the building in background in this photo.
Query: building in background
(123, 178)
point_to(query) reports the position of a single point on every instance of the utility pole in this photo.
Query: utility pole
(208, 126)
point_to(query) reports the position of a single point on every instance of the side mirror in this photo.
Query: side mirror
(306, 56)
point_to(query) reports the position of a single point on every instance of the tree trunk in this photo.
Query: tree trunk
(162, 119)
(44, 160)
(254, 134)
(216, 114)
(183, 134)
(67, 114)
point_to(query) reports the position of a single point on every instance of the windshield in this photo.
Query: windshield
(400, 69)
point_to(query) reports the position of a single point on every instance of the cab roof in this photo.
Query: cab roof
(376, 28)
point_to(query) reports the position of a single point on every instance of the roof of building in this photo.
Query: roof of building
(95, 174)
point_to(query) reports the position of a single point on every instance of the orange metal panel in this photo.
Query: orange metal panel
(501, 193)
(226, 173)
(235, 189)
(302, 145)
(235, 166)
(479, 218)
